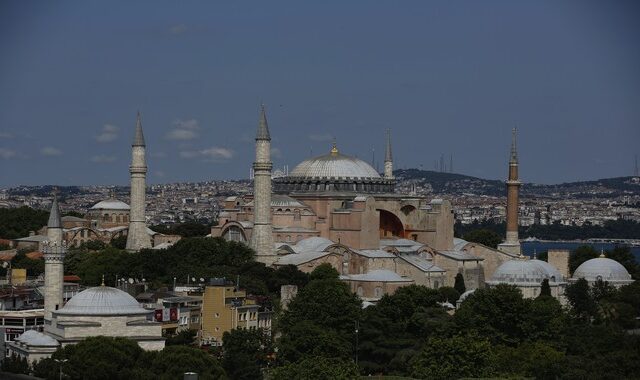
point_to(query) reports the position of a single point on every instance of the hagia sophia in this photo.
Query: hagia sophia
(334, 209)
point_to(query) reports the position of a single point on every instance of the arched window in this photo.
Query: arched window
(377, 292)
(296, 214)
(234, 233)
(436, 285)
(359, 291)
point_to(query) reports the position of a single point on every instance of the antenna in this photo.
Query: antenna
(451, 163)
(635, 172)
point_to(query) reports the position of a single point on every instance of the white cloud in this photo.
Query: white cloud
(109, 133)
(103, 159)
(158, 154)
(184, 130)
(6, 135)
(50, 151)
(276, 153)
(159, 173)
(178, 29)
(323, 137)
(7, 153)
(213, 154)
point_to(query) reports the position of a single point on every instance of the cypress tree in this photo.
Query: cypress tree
(459, 284)
(545, 289)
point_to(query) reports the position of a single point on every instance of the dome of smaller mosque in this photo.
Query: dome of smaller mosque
(102, 300)
(602, 268)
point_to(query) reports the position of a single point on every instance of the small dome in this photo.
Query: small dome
(110, 204)
(102, 300)
(602, 268)
(36, 338)
(334, 165)
(525, 272)
(315, 243)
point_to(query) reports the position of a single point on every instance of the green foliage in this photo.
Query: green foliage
(305, 339)
(484, 236)
(15, 364)
(583, 306)
(448, 294)
(459, 284)
(317, 368)
(187, 229)
(624, 256)
(536, 360)
(324, 272)
(121, 358)
(545, 289)
(93, 245)
(453, 358)
(119, 242)
(326, 303)
(73, 213)
(244, 352)
(34, 267)
(183, 338)
(18, 222)
(580, 255)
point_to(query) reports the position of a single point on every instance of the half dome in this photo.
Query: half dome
(110, 204)
(102, 300)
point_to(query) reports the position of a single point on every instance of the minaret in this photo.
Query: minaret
(137, 237)
(512, 243)
(262, 236)
(54, 251)
(388, 158)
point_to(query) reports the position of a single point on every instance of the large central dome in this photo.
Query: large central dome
(333, 172)
(334, 165)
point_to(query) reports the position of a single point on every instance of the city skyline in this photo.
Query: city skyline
(447, 79)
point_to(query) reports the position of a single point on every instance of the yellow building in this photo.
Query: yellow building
(225, 308)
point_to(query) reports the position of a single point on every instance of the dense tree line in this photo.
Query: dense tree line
(187, 229)
(614, 229)
(18, 222)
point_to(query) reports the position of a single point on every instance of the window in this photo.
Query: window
(359, 291)
(378, 292)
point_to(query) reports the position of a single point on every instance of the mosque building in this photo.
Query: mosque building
(100, 310)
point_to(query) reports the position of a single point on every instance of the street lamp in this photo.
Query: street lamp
(61, 361)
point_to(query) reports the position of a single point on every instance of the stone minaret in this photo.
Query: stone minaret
(512, 243)
(138, 237)
(54, 251)
(388, 158)
(262, 236)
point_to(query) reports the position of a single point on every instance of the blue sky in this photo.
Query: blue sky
(447, 77)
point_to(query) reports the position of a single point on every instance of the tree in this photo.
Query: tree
(453, 358)
(183, 338)
(484, 236)
(580, 255)
(459, 284)
(15, 364)
(244, 351)
(324, 272)
(18, 222)
(545, 289)
(448, 294)
(536, 360)
(305, 339)
(119, 242)
(584, 307)
(623, 255)
(174, 361)
(317, 368)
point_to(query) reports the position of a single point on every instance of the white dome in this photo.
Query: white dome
(314, 243)
(334, 165)
(102, 300)
(525, 272)
(604, 269)
(110, 204)
(36, 338)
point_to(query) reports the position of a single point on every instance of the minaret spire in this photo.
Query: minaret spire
(512, 242)
(262, 235)
(388, 158)
(53, 253)
(137, 236)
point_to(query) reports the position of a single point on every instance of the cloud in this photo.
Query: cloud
(50, 151)
(276, 153)
(159, 173)
(184, 130)
(7, 153)
(103, 159)
(213, 154)
(109, 133)
(178, 29)
(324, 137)
(6, 135)
(158, 154)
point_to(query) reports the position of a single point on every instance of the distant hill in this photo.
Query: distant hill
(452, 183)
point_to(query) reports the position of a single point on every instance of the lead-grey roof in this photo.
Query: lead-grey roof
(379, 275)
(35, 338)
(54, 215)
(263, 127)
(102, 300)
(602, 268)
(138, 139)
(334, 165)
(524, 272)
(111, 204)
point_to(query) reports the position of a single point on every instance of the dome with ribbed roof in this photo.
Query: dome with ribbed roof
(102, 300)
(334, 165)
(602, 268)
(111, 204)
(525, 272)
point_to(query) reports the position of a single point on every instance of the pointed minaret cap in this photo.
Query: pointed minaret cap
(602, 253)
(263, 127)
(138, 139)
(388, 157)
(514, 152)
(54, 215)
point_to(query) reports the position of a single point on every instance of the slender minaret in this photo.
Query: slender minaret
(54, 252)
(262, 236)
(512, 243)
(137, 237)
(388, 158)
